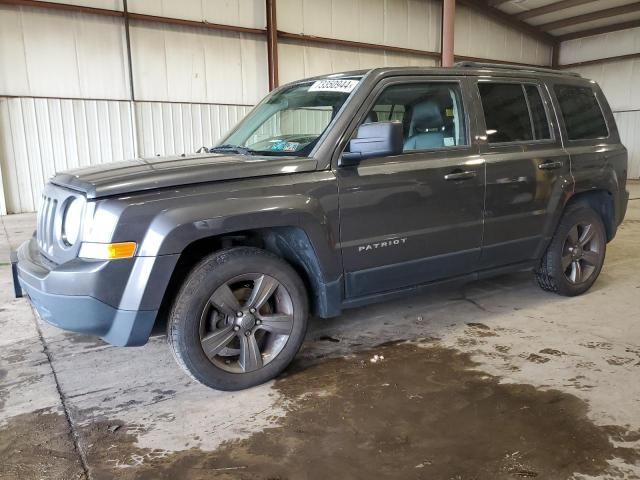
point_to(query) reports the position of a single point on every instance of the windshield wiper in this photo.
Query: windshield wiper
(226, 148)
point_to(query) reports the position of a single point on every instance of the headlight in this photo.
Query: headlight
(72, 221)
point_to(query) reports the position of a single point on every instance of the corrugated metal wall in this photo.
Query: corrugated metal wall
(170, 128)
(481, 36)
(618, 79)
(191, 84)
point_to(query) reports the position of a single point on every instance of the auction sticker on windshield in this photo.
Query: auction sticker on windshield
(345, 86)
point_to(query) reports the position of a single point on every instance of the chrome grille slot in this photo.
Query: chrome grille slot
(46, 220)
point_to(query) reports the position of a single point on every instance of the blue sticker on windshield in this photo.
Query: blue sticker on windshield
(291, 147)
(278, 146)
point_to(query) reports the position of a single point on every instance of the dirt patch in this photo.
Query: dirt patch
(38, 445)
(419, 413)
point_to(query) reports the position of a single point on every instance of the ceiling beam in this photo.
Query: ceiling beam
(506, 19)
(551, 8)
(599, 30)
(598, 61)
(495, 3)
(589, 17)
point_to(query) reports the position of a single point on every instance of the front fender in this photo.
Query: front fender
(306, 201)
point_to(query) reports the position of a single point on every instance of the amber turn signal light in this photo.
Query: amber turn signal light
(108, 251)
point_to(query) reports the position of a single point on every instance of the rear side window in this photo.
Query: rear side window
(505, 112)
(581, 111)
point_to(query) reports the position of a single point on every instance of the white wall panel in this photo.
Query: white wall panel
(61, 54)
(182, 64)
(304, 59)
(480, 36)
(612, 44)
(176, 128)
(400, 23)
(244, 13)
(39, 137)
(629, 126)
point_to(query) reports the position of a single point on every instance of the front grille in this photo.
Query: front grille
(49, 224)
(45, 234)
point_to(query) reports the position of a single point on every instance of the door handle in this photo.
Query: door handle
(550, 165)
(460, 175)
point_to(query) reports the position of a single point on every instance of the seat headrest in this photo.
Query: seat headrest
(372, 117)
(426, 116)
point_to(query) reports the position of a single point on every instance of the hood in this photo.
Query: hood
(158, 172)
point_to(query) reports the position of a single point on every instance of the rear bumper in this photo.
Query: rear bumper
(47, 287)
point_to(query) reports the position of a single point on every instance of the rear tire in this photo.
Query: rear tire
(239, 319)
(575, 256)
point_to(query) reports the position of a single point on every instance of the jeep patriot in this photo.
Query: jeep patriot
(333, 192)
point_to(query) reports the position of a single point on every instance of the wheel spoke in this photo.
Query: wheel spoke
(576, 272)
(573, 236)
(566, 261)
(225, 301)
(250, 357)
(587, 235)
(217, 340)
(278, 323)
(263, 287)
(591, 258)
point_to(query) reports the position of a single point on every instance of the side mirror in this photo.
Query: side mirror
(379, 139)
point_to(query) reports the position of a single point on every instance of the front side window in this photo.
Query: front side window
(290, 121)
(581, 111)
(431, 114)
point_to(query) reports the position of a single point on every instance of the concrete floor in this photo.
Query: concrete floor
(496, 380)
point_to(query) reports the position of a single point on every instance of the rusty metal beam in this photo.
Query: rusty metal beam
(599, 30)
(507, 19)
(551, 8)
(555, 55)
(64, 7)
(349, 43)
(132, 16)
(597, 61)
(447, 33)
(272, 44)
(589, 17)
(464, 58)
(193, 23)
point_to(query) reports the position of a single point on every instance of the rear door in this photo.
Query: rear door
(527, 168)
(416, 217)
(592, 139)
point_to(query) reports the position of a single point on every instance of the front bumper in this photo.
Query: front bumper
(63, 296)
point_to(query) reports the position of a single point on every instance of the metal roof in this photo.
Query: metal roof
(567, 19)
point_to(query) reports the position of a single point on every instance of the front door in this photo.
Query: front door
(413, 218)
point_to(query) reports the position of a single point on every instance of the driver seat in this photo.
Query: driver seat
(426, 128)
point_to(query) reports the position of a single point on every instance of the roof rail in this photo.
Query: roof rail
(509, 66)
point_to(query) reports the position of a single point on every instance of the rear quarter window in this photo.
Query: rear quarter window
(583, 117)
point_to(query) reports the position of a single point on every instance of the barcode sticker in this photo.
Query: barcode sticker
(345, 86)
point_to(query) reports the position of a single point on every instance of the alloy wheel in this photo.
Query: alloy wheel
(246, 323)
(582, 253)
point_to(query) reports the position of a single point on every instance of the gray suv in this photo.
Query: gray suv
(334, 192)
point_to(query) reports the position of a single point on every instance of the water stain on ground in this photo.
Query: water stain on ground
(38, 445)
(422, 412)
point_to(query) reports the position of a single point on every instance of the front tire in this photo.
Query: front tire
(239, 319)
(575, 257)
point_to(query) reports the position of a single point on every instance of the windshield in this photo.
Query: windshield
(290, 121)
